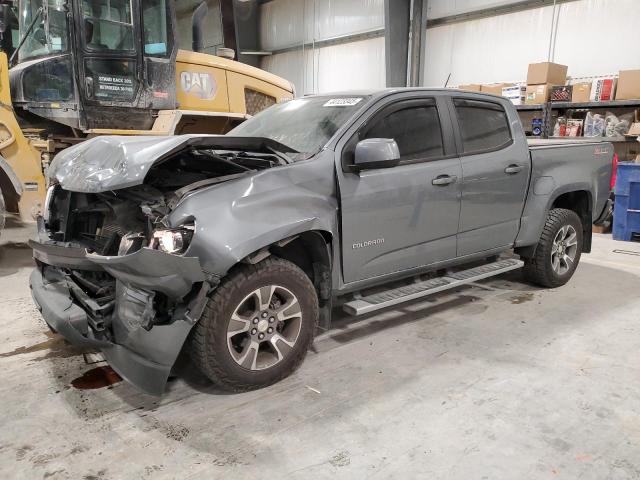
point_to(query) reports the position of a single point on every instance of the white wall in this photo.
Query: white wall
(594, 37)
(285, 23)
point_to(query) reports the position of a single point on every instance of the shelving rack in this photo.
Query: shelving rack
(546, 110)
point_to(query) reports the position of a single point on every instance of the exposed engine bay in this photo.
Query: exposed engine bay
(120, 222)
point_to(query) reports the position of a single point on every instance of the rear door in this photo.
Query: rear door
(396, 219)
(495, 174)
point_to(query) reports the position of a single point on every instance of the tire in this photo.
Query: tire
(231, 364)
(549, 267)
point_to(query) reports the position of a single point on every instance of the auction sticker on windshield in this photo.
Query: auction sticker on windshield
(342, 102)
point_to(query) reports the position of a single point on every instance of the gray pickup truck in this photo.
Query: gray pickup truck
(235, 248)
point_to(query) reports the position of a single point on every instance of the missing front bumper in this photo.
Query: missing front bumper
(139, 350)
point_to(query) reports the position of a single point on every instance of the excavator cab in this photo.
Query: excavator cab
(76, 57)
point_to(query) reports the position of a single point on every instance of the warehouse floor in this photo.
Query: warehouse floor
(495, 380)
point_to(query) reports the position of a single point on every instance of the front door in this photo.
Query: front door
(495, 171)
(404, 217)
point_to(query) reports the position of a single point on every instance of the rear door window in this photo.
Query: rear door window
(484, 126)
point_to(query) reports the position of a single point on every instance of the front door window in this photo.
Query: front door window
(108, 25)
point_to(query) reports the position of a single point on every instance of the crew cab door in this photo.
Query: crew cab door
(400, 218)
(495, 174)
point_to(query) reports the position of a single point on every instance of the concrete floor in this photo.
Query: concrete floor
(495, 380)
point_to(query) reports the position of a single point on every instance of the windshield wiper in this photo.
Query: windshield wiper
(26, 34)
(281, 155)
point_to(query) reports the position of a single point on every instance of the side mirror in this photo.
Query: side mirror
(376, 153)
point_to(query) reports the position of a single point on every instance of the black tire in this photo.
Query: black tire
(539, 269)
(208, 346)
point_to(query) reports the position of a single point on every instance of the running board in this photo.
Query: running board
(388, 298)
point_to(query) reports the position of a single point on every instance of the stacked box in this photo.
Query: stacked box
(515, 94)
(603, 90)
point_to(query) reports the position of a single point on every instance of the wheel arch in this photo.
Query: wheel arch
(580, 202)
(311, 251)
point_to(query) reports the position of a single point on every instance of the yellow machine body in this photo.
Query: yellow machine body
(213, 95)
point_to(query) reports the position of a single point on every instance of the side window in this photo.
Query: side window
(155, 25)
(108, 25)
(416, 130)
(484, 126)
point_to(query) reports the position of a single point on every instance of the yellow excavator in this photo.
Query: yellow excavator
(74, 69)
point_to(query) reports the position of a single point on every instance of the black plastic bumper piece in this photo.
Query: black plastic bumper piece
(52, 296)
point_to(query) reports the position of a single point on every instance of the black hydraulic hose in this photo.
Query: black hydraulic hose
(26, 34)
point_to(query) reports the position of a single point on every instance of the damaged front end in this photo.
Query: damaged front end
(113, 267)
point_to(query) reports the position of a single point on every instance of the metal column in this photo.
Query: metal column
(397, 15)
(405, 35)
(418, 42)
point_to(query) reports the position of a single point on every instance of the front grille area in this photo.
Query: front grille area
(257, 101)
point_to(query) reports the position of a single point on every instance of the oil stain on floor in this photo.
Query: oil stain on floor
(96, 378)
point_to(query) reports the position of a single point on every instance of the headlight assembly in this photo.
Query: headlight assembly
(175, 240)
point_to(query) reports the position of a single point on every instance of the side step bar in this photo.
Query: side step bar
(395, 296)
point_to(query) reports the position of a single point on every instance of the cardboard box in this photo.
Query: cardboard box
(495, 88)
(634, 130)
(628, 85)
(546, 72)
(472, 87)
(603, 90)
(516, 94)
(536, 94)
(561, 93)
(581, 92)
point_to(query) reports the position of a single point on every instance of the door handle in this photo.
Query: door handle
(443, 180)
(512, 169)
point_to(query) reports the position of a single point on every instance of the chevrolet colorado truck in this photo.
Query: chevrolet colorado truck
(235, 248)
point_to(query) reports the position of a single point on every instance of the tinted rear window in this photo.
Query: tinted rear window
(484, 126)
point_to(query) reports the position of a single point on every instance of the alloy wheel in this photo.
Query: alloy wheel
(564, 249)
(264, 327)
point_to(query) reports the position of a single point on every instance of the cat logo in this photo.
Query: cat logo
(201, 85)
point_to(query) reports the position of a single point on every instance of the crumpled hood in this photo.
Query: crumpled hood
(112, 162)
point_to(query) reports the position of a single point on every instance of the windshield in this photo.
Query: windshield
(49, 34)
(304, 124)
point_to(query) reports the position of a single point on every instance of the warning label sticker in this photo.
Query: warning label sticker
(342, 102)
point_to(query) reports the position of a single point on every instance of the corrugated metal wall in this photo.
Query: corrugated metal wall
(285, 23)
(594, 37)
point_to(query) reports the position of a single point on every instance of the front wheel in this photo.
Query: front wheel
(257, 326)
(558, 251)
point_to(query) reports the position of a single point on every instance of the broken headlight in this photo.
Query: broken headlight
(174, 240)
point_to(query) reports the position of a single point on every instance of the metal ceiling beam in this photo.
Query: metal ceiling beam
(493, 12)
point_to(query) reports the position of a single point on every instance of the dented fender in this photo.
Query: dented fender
(236, 219)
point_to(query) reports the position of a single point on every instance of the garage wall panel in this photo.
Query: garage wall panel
(354, 65)
(594, 37)
(445, 8)
(284, 23)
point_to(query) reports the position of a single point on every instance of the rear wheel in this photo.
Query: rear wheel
(558, 251)
(257, 326)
